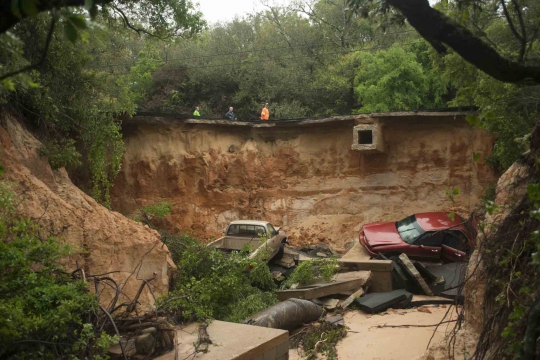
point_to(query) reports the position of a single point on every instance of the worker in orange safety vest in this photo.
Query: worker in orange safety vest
(265, 114)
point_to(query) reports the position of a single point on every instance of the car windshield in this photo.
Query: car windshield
(409, 229)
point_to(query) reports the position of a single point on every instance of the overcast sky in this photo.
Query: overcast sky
(225, 10)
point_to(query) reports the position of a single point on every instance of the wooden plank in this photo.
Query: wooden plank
(372, 265)
(320, 290)
(417, 277)
(345, 304)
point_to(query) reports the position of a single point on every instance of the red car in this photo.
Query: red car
(423, 236)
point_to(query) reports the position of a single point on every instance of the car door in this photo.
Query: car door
(454, 246)
(427, 247)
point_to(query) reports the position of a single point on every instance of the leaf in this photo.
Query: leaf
(71, 31)
(473, 120)
(489, 115)
(452, 216)
(8, 84)
(455, 191)
(476, 156)
(78, 20)
(29, 7)
(15, 8)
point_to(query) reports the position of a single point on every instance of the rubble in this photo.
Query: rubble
(325, 289)
(377, 302)
(414, 274)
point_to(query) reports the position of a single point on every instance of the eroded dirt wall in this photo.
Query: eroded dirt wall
(102, 241)
(304, 177)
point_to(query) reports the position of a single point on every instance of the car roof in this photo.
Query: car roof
(249, 222)
(438, 221)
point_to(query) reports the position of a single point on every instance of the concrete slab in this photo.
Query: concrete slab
(357, 252)
(231, 341)
(323, 289)
(375, 303)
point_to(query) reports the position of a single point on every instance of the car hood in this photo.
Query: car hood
(382, 233)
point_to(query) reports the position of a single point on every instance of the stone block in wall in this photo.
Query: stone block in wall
(368, 138)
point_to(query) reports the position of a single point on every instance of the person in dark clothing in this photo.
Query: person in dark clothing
(230, 114)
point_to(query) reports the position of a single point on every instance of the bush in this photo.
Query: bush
(61, 154)
(309, 272)
(213, 284)
(155, 211)
(43, 312)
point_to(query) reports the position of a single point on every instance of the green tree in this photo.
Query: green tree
(396, 79)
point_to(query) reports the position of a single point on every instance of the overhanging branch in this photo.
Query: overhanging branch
(8, 19)
(440, 30)
(43, 55)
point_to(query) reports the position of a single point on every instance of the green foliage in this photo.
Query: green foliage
(43, 313)
(319, 340)
(396, 79)
(309, 272)
(213, 284)
(72, 96)
(155, 211)
(61, 153)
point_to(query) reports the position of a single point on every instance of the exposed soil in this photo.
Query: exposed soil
(305, 178)
(367, 341)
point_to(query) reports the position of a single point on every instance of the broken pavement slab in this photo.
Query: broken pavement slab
(231, 341)
(377, 302)
(454, 274)
(414, 274)
(347, 302)
(422, 300)
(325, 289)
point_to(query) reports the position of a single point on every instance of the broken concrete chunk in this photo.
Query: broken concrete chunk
(421, 300)
(377, 302)
(287, 261)
(324, 289)
(454, 275)
(424, 271)
(335, 320)
(287, 315)
(347, 302)
(327, 303)
(414, 274)
(323, 255)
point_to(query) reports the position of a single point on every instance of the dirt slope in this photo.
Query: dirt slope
(303, 177)
(103, 240)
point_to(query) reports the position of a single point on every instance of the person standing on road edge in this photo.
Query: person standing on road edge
(230, 114)
(265, 114)
(196, 112)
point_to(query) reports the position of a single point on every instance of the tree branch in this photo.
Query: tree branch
(128, 24)
(8, 19)
(438, 29)
(43, 56)
(514, 31)
(523, 30)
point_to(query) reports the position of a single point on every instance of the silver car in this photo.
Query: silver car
(253, 235)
